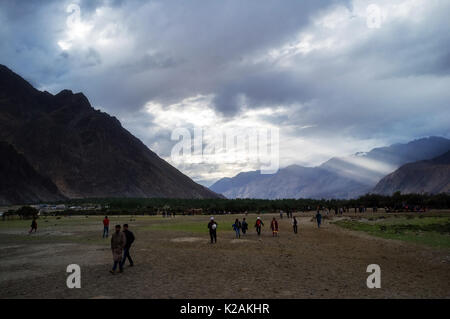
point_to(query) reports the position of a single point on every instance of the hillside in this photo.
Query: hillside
(430, 176)
(19, 182)
(84, 152)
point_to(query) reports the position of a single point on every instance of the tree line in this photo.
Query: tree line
(114, 206)
(397, 201)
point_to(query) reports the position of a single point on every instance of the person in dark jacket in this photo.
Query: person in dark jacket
(237, 228)
(33, 226)
(295, 225)
(212, 226)
(244, 226)
(126, 250)
(318, 218)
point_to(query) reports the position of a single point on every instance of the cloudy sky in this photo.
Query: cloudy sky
(333, 77)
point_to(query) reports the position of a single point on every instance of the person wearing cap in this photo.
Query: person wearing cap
(212, 226)
(258, 225)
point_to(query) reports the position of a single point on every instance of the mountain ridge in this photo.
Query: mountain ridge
(83, 151)
(339, 177)
(427, 176)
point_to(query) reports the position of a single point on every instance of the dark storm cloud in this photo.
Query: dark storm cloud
(262, 88)
(388, 84)
(202, 38)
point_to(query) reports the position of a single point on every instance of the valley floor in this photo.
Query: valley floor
(174, 259)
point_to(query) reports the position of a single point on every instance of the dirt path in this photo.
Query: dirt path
(317, 263)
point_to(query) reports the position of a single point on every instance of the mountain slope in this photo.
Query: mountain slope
(291, 182)
(84, 152)
(430, 176)
(20, 183)
(369, 168)
(340, 177)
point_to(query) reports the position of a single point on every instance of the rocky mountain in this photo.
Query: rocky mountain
(339, 177)
(429, 176)
(369, 168)
(83, 151)
(291, 182)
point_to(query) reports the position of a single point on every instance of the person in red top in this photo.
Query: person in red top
(105, 227)
(258, 225)
(274, 227)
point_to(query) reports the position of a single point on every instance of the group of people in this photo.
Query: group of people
(121, 242)
(288, 214)
(239, 227)
(168, 214)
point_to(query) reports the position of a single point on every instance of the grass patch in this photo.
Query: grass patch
(430, 231)
(181, 227)
(188, 224)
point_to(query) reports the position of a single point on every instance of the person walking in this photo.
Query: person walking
(212, 226)
(274, 227)
(33, 226)
(318, 218)
(118, 242)
(126, 250)
(258, 225)
(105, 227)
(237, 228)
(294, 225)
(244, 226)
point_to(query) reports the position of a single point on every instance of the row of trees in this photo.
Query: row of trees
(25, 212)
(112, 206)
(396, 201)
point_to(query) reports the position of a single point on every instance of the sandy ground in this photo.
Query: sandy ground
(329, 262)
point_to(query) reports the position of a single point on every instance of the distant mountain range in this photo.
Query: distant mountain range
(339, 177)
(64, 148)
(429, 176)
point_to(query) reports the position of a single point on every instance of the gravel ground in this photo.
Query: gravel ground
(329, 262)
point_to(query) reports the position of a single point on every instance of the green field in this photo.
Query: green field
(194, 224)
(431, 231)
